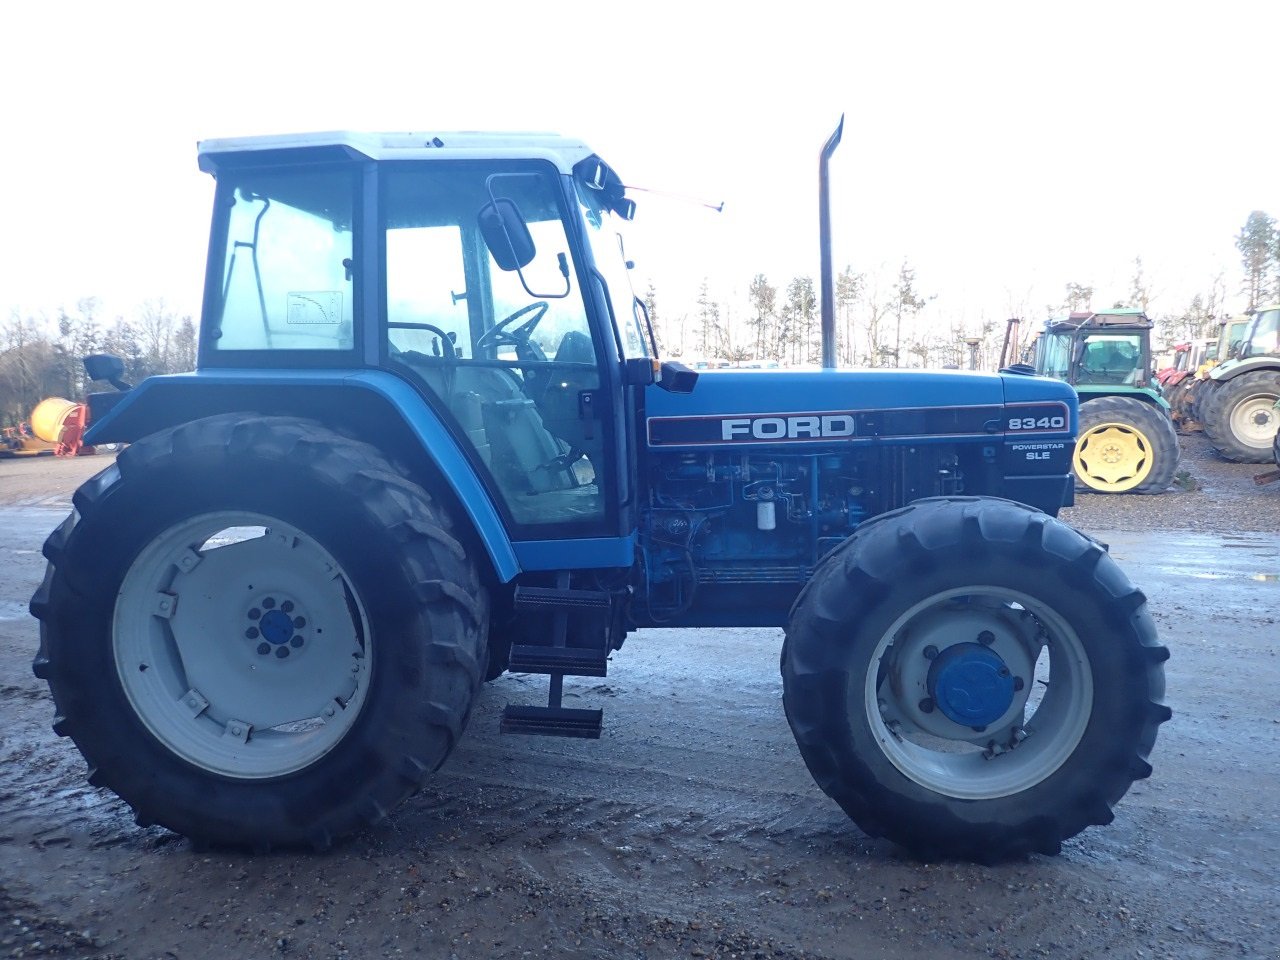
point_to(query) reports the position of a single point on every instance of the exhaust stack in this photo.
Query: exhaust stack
(824, 250)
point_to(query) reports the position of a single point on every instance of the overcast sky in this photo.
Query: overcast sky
(1005, 149)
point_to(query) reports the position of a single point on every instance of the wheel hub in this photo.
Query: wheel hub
(1112, 453)
(971, 684)
(277, 629)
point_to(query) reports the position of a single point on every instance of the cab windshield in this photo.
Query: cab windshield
(1053, 359)
(1111, 358)
(605, 239)
(1264, 335)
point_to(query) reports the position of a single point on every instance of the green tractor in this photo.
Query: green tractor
(1184, 394)
(1237, 402)
(1126, 442)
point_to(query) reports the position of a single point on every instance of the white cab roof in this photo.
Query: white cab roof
(464, 145)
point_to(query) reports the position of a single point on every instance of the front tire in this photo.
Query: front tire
(257, 633)
(901, 671)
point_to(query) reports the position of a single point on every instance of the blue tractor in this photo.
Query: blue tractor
(429, 441)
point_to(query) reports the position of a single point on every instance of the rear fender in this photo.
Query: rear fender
(372, 405)
(1133, 393)
(1234, 368)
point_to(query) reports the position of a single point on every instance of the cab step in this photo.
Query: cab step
(570, 661)
(552, 721)
(551, 599)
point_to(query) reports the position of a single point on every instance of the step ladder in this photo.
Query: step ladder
(558, 660)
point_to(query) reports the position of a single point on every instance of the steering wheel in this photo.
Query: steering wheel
(498, 335)
(450, 352)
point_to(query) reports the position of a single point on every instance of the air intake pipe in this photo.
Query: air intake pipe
(824, 249)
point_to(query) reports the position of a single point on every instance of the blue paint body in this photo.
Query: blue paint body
(767, 391)
(161, 401)
(871, 409)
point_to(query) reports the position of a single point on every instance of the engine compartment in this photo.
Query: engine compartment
(720, 527)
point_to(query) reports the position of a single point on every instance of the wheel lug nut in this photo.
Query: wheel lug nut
(255, 613)
(264, 648)
(1003, 671)
(926, 705)
(287, 606)
(930, 652)
(980, 728)
(252, 633)
(269, 602)
(1017, 683)
(282, 652)
(295, 642)
(299, 622)
(986, 638)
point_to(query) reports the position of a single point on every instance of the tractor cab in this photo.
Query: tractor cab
(1263, 336)
(485, 271)
(1111, 349)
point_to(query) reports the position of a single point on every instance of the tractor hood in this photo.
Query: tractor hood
(754, 407)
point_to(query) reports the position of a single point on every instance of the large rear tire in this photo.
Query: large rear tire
(1125, 445)
(1240, 417)
(1177, 396)
(972, 678)
(257, 633)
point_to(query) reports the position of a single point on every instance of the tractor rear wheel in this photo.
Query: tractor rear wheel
(1125, 446)
(1240, 416)
(972, 678)
(257, 632)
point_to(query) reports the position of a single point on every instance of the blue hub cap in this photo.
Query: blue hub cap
(971, 685)
(276, 627)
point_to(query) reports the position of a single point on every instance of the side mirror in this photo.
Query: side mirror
(624, 208)
(506, 234)
(103, 366)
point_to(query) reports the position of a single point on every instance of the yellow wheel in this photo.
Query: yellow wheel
(1124, 445)
(1113, 457)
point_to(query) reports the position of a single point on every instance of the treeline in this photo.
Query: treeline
(881, 320)
(875, 318)
(42, 356)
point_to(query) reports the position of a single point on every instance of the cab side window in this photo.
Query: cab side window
(287, 279)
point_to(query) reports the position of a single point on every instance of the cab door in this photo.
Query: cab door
(513, 358)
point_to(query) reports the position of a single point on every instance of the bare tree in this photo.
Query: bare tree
(849, 287)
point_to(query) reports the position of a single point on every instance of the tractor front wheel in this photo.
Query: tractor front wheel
(257, 632)
(972, 678)
(1125, 446)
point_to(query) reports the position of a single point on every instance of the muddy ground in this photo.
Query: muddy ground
(692, 828)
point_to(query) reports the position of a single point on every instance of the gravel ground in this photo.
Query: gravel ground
(1211, 494)
(692, 828)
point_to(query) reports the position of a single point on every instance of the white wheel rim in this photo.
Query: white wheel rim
(1033, 738)
(247, 654)
(1254, 421)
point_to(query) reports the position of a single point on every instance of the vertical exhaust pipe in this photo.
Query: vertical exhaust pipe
(824, 249)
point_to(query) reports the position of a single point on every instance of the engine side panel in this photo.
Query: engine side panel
(743, 503)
